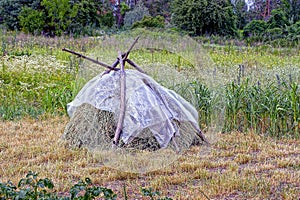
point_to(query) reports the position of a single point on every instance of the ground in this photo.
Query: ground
(237, 166)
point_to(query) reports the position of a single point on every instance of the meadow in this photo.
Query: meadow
(251, 93)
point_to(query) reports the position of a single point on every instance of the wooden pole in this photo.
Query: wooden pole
(201, 135)
(135, 66)
(122, 101)
(90, 59)
(124, 56)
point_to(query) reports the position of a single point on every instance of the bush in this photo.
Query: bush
(107, 19)
(148, 21)
(255, 28)
(294, 32)
(274, 33)
(31, 21)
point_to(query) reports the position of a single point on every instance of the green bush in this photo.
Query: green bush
(107, 19)
(278, 19)
(31, 187)
(274, 33)
(255, 28)
(152, 22)
(294, 32)
(31, 21)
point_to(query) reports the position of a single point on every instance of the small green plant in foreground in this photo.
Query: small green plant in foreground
(148, 192)
(32, 188)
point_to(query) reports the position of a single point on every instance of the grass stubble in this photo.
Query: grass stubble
(237, 166)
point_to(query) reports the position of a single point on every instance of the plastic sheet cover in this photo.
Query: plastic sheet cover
(148, 105)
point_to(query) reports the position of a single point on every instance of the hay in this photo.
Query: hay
(89, 127)
(92, 128)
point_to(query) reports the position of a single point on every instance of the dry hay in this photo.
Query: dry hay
(92, 128)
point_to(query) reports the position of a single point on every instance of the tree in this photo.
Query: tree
(59, 15)
(204, 17)
(137, 14)
(291, 8)
(10, 10)
(159, 8)
(240, 10)
(278, 19)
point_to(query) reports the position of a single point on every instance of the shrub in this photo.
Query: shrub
(277, 19)
(148, 21)
(31, 21)
(107, 19)
(31, 187)
(294, 32)
(255, 28)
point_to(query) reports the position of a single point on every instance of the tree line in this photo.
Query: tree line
(253, 19)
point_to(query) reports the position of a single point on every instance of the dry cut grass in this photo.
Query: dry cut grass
(238, 166)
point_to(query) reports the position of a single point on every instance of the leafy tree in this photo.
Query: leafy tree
(159, 8)
(220, 18)
(59, 15)
(291, 8)
(240, 10)
(294, 32)
(91, 14)
(10, 10)
(137, 14)
(204, 17)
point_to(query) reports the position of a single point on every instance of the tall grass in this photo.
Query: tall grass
(271, 109)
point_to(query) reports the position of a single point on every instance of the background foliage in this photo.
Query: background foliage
(254, 22)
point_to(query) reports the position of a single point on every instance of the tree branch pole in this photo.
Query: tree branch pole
(91, 59)
(122, 101)
(135, 66)
(124, 56)
(200, 134)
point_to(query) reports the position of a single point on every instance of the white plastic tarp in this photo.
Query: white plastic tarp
(148, 105)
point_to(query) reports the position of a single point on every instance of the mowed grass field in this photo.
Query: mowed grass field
(256, 154)
(237, 166)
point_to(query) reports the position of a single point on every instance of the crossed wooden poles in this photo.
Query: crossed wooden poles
(122, 58)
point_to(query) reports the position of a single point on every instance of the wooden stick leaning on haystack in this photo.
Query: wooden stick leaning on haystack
(122, 58)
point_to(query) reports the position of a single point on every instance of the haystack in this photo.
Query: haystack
(130, 110)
